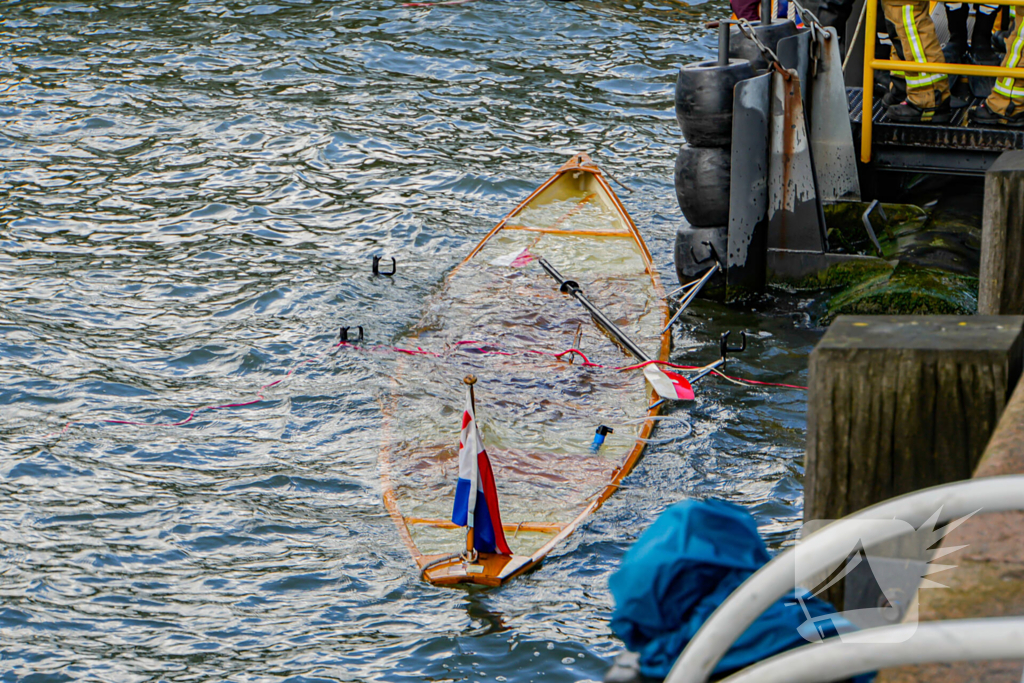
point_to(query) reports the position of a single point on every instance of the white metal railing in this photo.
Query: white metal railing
(831, 544)
(955, 640)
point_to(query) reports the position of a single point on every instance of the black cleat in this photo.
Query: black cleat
(983, 116)
(908, 112)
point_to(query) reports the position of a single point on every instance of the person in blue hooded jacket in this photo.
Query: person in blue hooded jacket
(682, 568)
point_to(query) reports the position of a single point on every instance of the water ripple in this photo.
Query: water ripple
(190, 192)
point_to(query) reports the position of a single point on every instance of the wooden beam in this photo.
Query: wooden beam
(1001, 276)
(556, 231)
(541, 527)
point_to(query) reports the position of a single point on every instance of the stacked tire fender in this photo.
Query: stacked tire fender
(704, 99)
(704, 112)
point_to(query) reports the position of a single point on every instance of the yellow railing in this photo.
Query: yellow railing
(871, 64)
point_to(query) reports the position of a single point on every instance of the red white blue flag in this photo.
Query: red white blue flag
(476, 498)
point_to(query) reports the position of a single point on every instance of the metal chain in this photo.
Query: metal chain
(818, 33)
(748, 31)
(806, 15)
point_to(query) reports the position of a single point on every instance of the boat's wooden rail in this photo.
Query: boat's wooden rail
(515, 527)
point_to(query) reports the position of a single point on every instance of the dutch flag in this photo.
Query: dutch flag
(476, 498)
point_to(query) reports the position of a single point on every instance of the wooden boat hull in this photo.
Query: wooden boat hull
(504, 323)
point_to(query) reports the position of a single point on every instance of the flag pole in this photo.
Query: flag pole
(470, 380)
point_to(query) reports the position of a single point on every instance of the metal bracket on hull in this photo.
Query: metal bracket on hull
(725, 350)
(835, 159)
(378, 271)
(795, 55)
(343, 337)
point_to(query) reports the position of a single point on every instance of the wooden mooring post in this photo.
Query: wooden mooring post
(900, 403)
(1001, 280)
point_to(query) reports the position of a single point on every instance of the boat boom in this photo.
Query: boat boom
(572, 287)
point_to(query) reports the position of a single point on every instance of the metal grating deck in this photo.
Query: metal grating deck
(956, 148)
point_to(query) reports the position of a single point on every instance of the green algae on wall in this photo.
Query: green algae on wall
(843, 274)
(846, 232)
(928, 262)
(908, 289)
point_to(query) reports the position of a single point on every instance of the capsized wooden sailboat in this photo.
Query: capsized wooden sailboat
(538, 413)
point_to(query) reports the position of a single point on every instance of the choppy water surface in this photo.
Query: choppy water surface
(190, 193)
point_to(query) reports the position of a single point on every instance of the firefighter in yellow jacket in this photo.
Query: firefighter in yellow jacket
(927, 93)
(1005, 105)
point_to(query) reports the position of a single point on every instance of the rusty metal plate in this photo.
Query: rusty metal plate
(794, 211)
(835, 160)
(748, 198)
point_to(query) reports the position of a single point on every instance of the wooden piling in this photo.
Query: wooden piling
(900, 403)
(1001, 277)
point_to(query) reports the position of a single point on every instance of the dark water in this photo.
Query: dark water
(190, 193)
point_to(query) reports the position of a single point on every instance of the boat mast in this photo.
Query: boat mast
(470, 380)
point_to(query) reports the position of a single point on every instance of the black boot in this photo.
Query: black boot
(897, 92)
(983, 116)
(908, 112)
(885, 81)
(981, 36)
(956, 17)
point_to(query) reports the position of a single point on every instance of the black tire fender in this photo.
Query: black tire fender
(702, 185)
(696, 250)
(704, 100)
